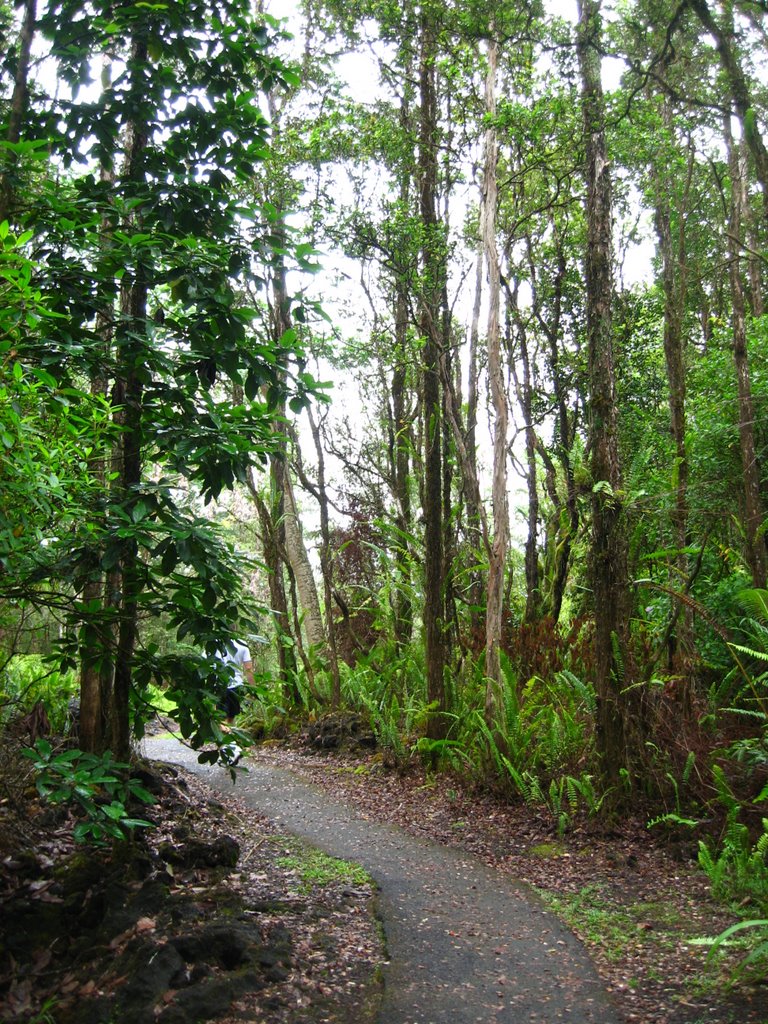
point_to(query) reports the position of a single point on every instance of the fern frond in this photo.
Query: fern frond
(750, 652)
(754, 601)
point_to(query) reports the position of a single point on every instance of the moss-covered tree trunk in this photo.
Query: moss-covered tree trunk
(609, 542)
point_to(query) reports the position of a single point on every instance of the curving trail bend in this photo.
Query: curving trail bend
(466, 944)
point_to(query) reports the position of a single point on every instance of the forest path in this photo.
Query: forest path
(466, 944)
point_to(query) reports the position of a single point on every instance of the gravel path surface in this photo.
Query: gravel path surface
(465, 945)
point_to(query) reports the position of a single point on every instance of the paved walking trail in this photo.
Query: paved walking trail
(466, 944)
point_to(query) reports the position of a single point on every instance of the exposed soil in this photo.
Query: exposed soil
(209, 916)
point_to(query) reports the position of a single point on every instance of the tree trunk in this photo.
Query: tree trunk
(674, 279)
(309, 600)
(129, 390)
(738, 88)
(568, 525)
(475, 528)
(525, 399)
(96, 633)
(401, 455)
(753, 517)
(290, 527)
(271, 547)
(498, 549)
(609, 543)
(430, 328)
(18, 107)
(326, 562)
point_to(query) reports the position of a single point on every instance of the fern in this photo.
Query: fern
(740, 869)
(585, 692)
(556, 805)
(750, 651)
(672, 819)
(526, 783)
(761, 846)
(713, 867)
(690, 761)
(479, 722)
(452, 751)
(755, 603)
(724, 792)
(574, 793)
(758, 955)
(618, 658)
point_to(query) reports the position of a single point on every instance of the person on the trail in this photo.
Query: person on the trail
(238, 657)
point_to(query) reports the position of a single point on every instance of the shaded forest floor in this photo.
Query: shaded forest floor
(212, 913)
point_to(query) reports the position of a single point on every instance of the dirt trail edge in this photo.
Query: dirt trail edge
(466, 945)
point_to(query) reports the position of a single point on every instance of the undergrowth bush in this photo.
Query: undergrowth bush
(540, 750)
(26, 679)
(98, 787)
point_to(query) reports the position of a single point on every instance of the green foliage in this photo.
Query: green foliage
(386, 720)
(137, 276)
(544, 729)
(27, 679)
(755, 963)
(450, 753)
(738, 866)
(265, 712)
(100, 789)
(49, 435)
(314, 868)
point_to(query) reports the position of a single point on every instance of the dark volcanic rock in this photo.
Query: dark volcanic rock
(195, 853)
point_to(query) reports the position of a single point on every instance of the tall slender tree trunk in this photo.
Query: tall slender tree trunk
(674, 279)
(532, 581)
(290, 528)
(309, 599)
(430, 328)
(401, 423)
(269, 522)
(129, 390)
(475, 529)
(326, 560)
(401, 466)
(96, 632)
(753, 507)
(18, 107)
(524, 393)
(609, 544)
(498, 549)
(565, 435)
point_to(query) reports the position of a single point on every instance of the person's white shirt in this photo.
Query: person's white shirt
(236, 654)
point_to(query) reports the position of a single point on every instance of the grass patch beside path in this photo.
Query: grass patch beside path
(313, 868)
